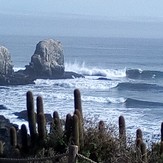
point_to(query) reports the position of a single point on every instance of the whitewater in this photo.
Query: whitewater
(122, 77)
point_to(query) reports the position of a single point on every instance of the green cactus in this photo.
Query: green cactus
(81, 129)
(39, 104)
(13, 137)
(1, 149)
(31, 117)
(24, 138)
(162, 131)
(139, 134)
(101, 126)
(68, 127)
(41, 127)
(75, 130)
(144, 152)
(56, 124)
(77, 102)
(122, 130)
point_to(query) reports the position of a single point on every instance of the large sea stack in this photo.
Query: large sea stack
(47, 60)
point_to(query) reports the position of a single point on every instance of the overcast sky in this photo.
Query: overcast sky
(148, 13)
(110, 8)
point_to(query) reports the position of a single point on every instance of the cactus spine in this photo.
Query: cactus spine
(13, 137)
(31, 116)
(122, 130)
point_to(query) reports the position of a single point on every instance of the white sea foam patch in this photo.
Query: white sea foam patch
(18, 68)
(94, 71)
(103, 100)
(81, 83)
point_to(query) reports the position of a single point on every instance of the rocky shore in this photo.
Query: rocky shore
(47, 62)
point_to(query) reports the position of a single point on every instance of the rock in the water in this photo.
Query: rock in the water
(6, 67)
(23, 115)
(47, 60)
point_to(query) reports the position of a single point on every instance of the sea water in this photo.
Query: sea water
(123, 76)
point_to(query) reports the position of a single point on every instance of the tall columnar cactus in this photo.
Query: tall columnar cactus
(31, 117)
(77, 102)
(101, 126)
(68, 127)
(139, 134)
(75, 130)
(81, 129)
(144, 152)
(1, 149)
(41, 127)
(39, 104)
(24, 138)
(56, 124)
(13, 137)
(122, 130)
(162, 131)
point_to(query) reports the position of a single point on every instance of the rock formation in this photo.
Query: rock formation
(47, 60)
(6, 67)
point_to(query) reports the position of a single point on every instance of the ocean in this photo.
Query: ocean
(123, 76)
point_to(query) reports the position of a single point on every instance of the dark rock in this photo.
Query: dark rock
(2, 107)
(71, 75)
(23, 115)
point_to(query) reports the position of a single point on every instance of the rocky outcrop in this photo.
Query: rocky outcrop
(6, 67)
(47, 60)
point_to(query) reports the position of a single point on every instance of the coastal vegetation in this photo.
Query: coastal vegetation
(97, 141)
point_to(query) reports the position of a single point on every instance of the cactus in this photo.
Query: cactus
(31, 117)
(13, 137)
(81, 129)
(39, 104)
(101, 126)
(75, 130)
(139, 134)
(77, 102)
(1, 149)
(162, 131)
(144, 152)
(122, 130)
(41, 127)
(68, 127)
(24, 138)
(57, 126)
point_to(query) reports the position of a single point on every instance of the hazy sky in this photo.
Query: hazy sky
(110, 8)
(83, 17)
